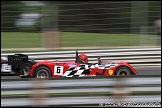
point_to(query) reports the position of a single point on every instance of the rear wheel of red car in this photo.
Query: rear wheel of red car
(123, 71)
(42, 72)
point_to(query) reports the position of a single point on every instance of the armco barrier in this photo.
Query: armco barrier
(136, 56)
(90, 91)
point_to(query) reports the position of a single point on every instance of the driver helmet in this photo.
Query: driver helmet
(83, 58)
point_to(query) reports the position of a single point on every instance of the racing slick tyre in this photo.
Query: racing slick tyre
(27, 69)
(123, 71)
(42, 72)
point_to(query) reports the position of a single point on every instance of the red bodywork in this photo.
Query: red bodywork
(94, 69)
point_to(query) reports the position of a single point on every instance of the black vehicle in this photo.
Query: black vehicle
(13, 68)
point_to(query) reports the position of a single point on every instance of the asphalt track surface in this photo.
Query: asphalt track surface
(152, 70)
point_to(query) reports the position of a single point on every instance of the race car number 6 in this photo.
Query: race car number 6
(58, 70)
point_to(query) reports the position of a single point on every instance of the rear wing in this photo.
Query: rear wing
(17, 59)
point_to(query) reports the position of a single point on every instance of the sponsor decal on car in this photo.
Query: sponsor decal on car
(72, 64)
(110, 72)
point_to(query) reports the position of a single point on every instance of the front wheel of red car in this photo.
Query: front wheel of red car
(42, 72)
(123, 71)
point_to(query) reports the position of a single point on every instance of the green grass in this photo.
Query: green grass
(20, 40)
(72, 39)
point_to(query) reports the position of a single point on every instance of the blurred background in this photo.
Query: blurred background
(58, 24)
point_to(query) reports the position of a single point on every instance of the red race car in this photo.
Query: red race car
(78, 68)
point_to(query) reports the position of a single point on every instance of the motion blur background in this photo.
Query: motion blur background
(57, 24)
(44, 25)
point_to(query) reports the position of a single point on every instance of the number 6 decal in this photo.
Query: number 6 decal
(58, 70)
